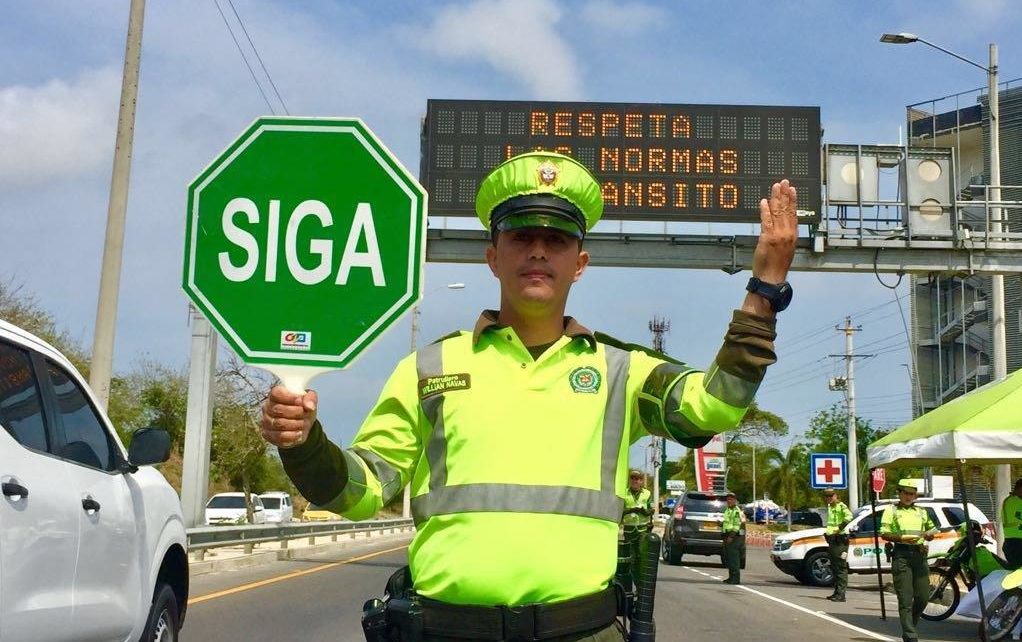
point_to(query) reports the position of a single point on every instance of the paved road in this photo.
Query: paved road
(319, 599)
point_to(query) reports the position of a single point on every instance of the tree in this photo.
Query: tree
(238, 452)
(759, 424)
(788, 480)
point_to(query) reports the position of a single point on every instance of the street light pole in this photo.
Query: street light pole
(1002, 484)
(406, 510)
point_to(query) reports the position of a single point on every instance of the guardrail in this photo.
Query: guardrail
(203, 538)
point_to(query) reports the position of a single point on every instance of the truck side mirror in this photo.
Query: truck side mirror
(149, 446)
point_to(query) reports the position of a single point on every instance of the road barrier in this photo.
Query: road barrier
(202, 538)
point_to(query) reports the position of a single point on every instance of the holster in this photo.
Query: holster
(396, 618)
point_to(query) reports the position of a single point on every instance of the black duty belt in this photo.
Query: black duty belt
(528, 622)
(909, 548)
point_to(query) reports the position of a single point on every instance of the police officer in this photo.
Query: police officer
(514, 435)
(908, 527)
(637, 517)
(1011, 523)
(733, 530)
(838, 517)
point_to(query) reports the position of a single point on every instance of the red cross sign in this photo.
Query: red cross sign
(828, 470)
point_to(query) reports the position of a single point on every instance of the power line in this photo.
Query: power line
(244, 58)
(258, 57)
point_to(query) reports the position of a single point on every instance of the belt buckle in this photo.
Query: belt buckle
(519, 623)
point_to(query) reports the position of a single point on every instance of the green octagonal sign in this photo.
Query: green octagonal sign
(305, 241)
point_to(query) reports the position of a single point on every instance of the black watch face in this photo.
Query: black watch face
(783, 297)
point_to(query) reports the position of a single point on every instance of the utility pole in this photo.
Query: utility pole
(849, 387)
(659, 327)
(101, 365)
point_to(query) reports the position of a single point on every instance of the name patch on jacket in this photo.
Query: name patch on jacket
(436, 385)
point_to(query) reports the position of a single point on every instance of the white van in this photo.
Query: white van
(278, 507)
(229, 508)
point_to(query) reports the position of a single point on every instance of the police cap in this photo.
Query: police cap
(910, 485)
(540, 189)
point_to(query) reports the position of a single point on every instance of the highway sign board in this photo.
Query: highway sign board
(304, 241)
(828, 470)
(654, 161)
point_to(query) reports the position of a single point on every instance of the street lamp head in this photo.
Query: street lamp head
(455, 286)
(899, 38)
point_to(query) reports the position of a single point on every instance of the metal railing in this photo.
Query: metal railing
(202, 538)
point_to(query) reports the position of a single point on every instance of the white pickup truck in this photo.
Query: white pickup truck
(92, 540)
(803, 554)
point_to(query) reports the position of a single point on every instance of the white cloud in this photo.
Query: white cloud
(622, 18)
(61, 128)
(519, 38)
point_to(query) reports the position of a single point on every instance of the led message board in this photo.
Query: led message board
(655, 161)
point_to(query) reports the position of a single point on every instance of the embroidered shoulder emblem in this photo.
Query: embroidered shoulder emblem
(431, 386)
(585, 379)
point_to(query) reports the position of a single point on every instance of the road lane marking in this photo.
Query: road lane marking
(819, 614)
(281, 578)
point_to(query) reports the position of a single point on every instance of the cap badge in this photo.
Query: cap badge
(547, 173)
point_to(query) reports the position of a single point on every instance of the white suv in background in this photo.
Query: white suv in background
(92, 541)
(229, 508)
(803, 554)
(278, 507)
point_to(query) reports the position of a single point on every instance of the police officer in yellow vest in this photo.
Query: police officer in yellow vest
(908, 527)
(514, 436)
(1011, 523)
(838, 517)
(733, 530)
(637, 517)
(638, 511)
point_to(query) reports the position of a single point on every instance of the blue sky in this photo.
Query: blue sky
(60, 65)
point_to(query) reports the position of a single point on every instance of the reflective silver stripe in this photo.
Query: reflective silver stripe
(518, 498)
(676, 420)
(730, 389)
(352, 492)
(613, 418)
(390, 478)
(659, 382)
(429, 362)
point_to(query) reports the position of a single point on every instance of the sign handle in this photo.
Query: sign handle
(876, 550)
(295, 378)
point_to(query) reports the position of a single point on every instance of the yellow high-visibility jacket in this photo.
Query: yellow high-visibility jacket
(518, 466)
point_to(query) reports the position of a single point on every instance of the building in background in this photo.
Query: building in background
(951, 329)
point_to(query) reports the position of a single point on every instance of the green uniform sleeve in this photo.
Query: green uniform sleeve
(689, 406)
(928, 524)
(887, 522)
(357, 482)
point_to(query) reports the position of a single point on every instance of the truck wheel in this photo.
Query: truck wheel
(161, 626)
(817, 569)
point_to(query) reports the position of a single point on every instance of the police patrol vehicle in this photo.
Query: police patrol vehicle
(803, 554)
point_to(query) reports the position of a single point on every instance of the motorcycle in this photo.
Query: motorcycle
(1004, 611)
(953, 570)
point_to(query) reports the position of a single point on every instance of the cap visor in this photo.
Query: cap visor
(536, 219)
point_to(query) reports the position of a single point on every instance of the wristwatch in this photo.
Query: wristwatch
(778, 294)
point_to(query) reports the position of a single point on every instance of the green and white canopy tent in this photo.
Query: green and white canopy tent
(983, 426)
